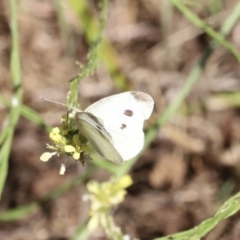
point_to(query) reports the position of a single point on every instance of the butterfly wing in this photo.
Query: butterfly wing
(99, 138)
(122, 116)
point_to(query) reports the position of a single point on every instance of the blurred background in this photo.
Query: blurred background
(193, 164)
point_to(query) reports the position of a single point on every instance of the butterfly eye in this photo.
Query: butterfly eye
(128, 113)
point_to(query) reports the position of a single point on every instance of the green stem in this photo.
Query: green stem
(219, 38)
(17, 96)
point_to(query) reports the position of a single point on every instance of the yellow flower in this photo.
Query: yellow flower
(66, 140)
(112, 192)
(104, 195)
(46, 156)
(57, 137)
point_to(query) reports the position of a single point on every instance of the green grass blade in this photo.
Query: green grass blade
(25, 210)
(106, 52)
(28, 113)
(17, 97)
(92, 58)
(219, 38)
(4, 156)
(82, 232)
(229, 208)
(19, 212)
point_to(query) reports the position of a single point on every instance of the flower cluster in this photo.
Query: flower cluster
(66, 140)
(103, 196)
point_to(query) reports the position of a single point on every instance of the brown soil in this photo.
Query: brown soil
(190, 168)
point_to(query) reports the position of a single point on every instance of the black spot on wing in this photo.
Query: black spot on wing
(123, 126)
(128, 113)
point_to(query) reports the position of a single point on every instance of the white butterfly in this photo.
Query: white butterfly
(114, 125)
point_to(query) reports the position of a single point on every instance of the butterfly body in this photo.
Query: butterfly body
(114, 125)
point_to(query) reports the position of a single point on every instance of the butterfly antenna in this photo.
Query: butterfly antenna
(52, 101)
